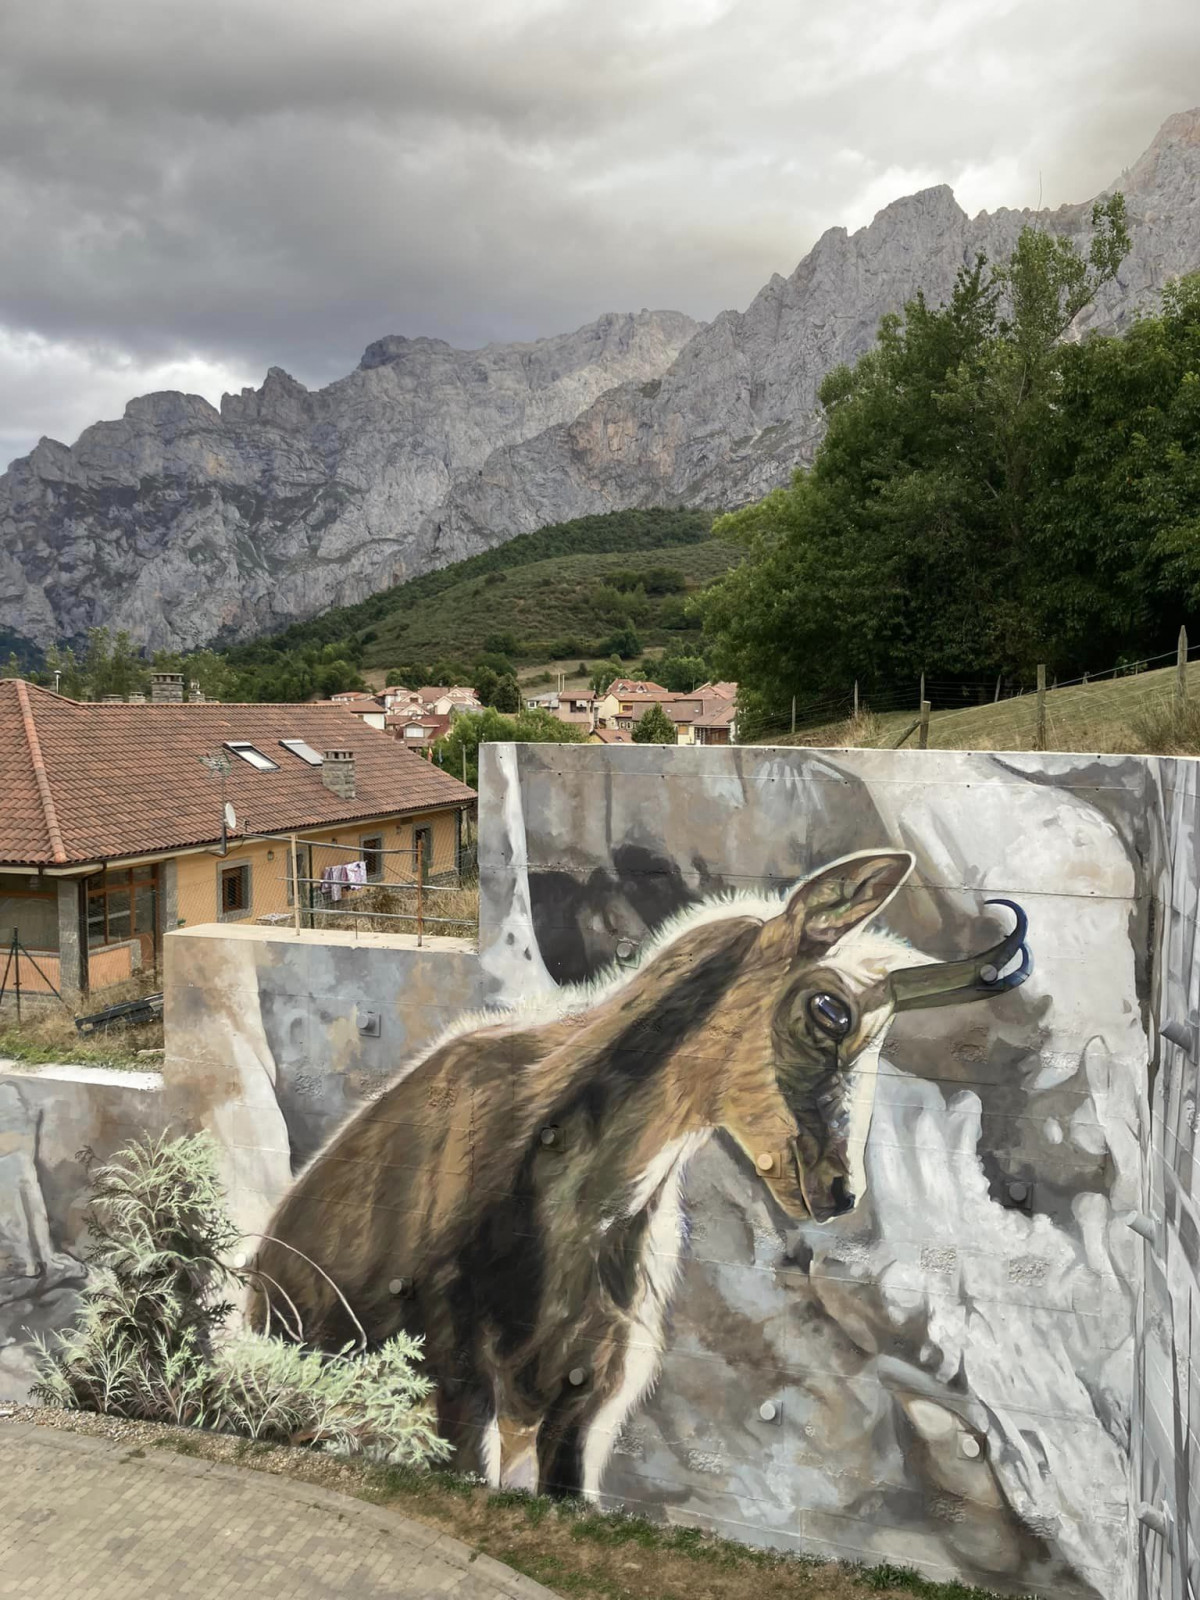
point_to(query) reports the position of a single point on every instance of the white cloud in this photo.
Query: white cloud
(209, 186)
(48, 387)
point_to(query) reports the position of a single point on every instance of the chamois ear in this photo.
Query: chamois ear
(825, 907)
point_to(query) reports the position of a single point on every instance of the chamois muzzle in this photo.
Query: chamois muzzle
(981, 977)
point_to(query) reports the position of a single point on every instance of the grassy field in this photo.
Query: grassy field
(1134, 714)
(542, 603)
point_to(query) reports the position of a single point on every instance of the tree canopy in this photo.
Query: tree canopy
(989, 493)
(458, 750)
(654, 726)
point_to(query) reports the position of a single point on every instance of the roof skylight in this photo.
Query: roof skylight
(300, 747)
(252, 754)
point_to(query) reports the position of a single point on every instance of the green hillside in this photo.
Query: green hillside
(566, 606)
(573, 589)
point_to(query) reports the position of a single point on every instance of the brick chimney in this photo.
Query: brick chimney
(337, 773)
(166, 686)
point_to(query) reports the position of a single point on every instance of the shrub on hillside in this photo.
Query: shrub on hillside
(623, 642)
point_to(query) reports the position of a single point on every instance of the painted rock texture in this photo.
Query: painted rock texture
(185, 524)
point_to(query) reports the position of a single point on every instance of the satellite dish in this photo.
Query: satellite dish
(230, 816)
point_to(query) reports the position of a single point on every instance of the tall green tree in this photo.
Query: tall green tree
(916, 541)
(654, 726)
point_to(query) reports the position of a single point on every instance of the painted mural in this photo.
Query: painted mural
(515, 1197)
(806, 1161)
(942, 1375)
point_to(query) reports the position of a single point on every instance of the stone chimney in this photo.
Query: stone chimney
(137, 699)
(337, 773)
(166, 686)
(112, 699)
(195, 692)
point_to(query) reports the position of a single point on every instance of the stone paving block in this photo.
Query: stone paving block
(165, 1527)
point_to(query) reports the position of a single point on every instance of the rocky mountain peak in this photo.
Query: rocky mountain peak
(184, 524)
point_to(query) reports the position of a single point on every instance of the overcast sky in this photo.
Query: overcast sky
(193, 190)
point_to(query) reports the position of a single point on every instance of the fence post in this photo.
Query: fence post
(923, 736)
(793, 713)
(921, 696)
(856, 698)
(17, 954)
(420, 892)
(1039, 735)
(295, 885)
(1181, 672)
(996, 696)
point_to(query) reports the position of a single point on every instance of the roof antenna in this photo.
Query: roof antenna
(220, 766)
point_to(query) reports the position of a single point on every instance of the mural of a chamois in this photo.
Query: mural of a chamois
(515, 1196)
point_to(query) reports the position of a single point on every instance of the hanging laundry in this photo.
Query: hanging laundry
(333, 879)
(356, 874)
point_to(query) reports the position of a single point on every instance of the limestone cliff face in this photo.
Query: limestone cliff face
(737, 411)
(182, 523)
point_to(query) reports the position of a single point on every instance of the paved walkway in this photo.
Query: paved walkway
(83, 1519)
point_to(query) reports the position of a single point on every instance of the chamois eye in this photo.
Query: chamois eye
(831, 1014)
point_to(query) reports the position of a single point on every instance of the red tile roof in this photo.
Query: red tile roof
(92, 782)
(623, 688)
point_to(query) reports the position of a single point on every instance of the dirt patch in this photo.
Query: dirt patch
(575, 1551)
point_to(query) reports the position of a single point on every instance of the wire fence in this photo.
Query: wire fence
(998, 714)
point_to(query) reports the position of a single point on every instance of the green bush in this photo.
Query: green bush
(148, 1342)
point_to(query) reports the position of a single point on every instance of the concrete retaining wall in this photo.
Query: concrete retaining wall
(984, 1366)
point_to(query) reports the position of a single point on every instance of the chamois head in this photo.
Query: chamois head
(800, 1070)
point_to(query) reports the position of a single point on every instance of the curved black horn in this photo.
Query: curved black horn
(981, 977)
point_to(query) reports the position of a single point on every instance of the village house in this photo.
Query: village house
(446, 702)
(577, 707)
(415, 727)
(621, 697)
(114, 828)
(367, 706)
(707, 716)
(436, 700)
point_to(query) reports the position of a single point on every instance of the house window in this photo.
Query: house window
(122, 904)
(422, 851)
(302, 872)
(235, 892)
(250, 753)
(301, 748)
(372, 849)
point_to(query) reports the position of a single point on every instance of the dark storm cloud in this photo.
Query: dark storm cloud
(192, 191)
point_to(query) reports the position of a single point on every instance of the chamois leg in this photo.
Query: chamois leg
(560, 1456)
(517, 1467)
(463, 1422)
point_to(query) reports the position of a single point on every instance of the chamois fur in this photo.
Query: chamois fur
(514, 1196)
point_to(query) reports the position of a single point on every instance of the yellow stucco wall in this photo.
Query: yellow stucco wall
(199, 875)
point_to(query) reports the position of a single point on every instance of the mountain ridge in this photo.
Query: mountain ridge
(183, 522)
